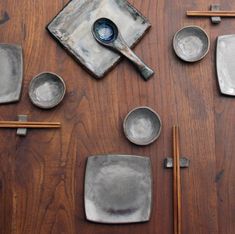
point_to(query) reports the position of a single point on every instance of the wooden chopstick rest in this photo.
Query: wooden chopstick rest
(22, 131)
(215, 19)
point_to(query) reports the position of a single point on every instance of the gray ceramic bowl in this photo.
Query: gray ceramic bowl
(142, 126)
(191, 43)
(47, 90)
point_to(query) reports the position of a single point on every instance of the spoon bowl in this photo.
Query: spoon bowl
(105, 31)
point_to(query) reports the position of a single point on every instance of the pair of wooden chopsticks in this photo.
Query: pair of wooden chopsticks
(19, 124)
(211, 13)
(176, 182)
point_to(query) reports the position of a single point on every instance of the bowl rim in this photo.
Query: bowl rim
(154, 138)
(38, 77)
(207, 48)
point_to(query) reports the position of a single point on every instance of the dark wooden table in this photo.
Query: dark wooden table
(41, 175)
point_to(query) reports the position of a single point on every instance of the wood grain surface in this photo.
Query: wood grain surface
(41, 175)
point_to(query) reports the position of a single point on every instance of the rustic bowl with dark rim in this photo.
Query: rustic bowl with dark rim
(191, 43)
(47, 90)
(142, 126)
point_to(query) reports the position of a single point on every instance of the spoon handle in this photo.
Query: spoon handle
(144, 70)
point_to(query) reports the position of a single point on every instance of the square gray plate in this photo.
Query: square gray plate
(225, 64)
(72, 27)
(118, 189)
(11, 70)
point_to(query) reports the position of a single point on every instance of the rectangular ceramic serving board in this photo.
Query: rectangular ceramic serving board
(11, 73)
(72, 28)
(225, 64)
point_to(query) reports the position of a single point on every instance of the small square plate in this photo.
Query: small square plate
(118, 189)
(11, 70)
(72, 28)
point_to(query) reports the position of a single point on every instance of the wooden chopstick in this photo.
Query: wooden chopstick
(211, 13)
(175, 199)
(19, 124)
(29, 123)
(177, 182)
(28, 126)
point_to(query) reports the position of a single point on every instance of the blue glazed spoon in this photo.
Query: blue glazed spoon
(107, 34)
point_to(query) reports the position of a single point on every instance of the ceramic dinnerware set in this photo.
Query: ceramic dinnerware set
(118, 188)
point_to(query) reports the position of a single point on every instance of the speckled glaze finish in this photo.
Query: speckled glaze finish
(105, 31)
(225, 64)
(47, 90)
(11, 73)
(118, 189)
(72, 27)
(142, 126)
(191, 43)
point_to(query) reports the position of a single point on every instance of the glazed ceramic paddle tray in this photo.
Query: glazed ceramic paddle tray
(72, 28)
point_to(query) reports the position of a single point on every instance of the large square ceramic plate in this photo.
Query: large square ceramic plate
(72, 28)
(11, 73)
(226, 64)
(118, 189)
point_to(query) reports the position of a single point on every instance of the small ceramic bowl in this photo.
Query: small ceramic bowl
(47, 90)
(142, 126)
(191, 43)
